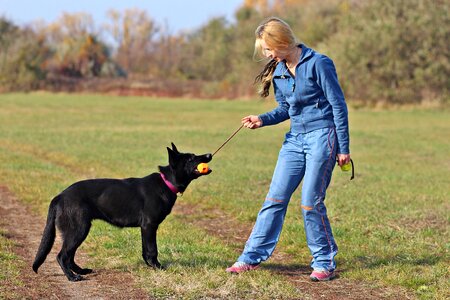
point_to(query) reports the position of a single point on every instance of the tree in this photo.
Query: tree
(133, 32)
(79, 52)
(244, 66)
(206, 52)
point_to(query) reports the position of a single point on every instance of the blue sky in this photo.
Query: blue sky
(178, 14)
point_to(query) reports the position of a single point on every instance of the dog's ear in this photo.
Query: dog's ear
(172, 156)
(174, 148)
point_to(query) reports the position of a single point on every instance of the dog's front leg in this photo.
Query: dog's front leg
(149, 247)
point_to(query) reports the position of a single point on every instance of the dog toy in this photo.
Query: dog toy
(203, 168)
(346, 167)
(349, 166)
(228, 139)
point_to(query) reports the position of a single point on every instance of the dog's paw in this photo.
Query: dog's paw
(156, 265)
(75, 278)
(85, 271)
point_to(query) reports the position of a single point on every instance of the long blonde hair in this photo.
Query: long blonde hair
(277, 34)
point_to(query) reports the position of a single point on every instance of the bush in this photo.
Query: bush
(22, 55)
(394, 51)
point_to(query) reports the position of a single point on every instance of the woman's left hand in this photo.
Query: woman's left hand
(343, 159)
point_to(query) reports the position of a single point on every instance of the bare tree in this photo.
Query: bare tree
(133, 32)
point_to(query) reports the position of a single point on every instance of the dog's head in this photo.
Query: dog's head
(182, 168)
(186, 163)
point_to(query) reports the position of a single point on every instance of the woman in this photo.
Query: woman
(308, 93)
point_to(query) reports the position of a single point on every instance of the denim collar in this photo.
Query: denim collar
(306, 54)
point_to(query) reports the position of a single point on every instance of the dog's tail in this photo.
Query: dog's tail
(48, 237)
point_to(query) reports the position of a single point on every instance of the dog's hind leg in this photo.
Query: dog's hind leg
(149, 247)
(73, 236)
(64, 260)
(76, 268)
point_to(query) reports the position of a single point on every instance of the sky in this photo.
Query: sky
(179, 15)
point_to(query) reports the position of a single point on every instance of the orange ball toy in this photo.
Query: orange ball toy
(203, 168)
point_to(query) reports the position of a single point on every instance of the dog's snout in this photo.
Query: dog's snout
(208, 157)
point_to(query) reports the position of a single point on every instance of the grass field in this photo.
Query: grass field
(391, 223)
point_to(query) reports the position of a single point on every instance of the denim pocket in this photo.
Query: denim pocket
(290, 136)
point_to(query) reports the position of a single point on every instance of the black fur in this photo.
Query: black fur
(132, 202)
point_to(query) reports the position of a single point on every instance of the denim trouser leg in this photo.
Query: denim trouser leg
(310, 157)
(321, 158)
(286, 178)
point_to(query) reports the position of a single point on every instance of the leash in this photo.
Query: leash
(353, 169)
(240, 127)
(228, 139)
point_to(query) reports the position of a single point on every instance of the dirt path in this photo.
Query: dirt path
(25, 229)
(50, 283)
(218, 224)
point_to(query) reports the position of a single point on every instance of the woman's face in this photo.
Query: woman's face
(272, 53)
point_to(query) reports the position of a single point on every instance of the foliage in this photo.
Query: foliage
(22, 57)
(313, 21)
(389, 52)
(394, 51)
(206, 52)
(244, 67)
(78, 50)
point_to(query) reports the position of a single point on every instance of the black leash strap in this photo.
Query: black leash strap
(228, 139)
(353, 169)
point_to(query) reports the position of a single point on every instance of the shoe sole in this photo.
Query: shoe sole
(239, 272)
(315, 279)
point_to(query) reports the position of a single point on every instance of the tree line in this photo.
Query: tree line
(385, 51)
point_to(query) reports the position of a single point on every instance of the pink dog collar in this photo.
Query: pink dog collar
(169, 184)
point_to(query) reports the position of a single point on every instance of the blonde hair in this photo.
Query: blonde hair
(277, 34)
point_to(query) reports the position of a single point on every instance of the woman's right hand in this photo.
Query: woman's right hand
(251, 122)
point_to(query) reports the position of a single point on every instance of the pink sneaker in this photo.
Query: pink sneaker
(322, 275)
(240, 267)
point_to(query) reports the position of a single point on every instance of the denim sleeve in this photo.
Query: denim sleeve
(328, 81)
(278, 114)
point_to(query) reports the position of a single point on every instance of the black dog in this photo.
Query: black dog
(132, 202)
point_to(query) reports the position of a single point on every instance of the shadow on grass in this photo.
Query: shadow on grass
(288, 269)
(373, 262)
(295, 272)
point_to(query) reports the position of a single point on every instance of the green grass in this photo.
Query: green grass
(9, 266)
(391, 223)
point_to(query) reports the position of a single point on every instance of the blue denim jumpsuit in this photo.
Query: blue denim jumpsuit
(315, 105)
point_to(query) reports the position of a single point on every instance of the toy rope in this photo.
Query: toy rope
(228, 139)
